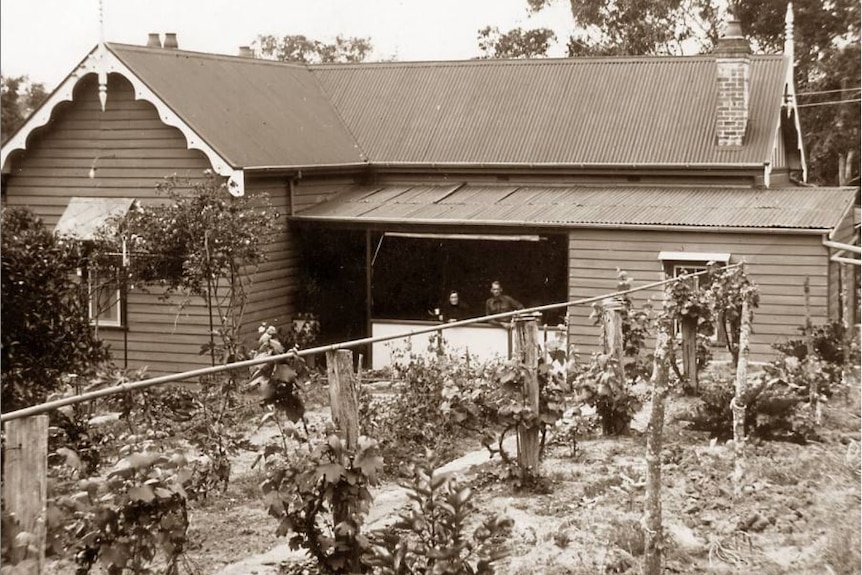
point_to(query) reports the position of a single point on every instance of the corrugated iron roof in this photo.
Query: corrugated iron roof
(253, 112)
(583, 205)
(590, 111)
(620, 111)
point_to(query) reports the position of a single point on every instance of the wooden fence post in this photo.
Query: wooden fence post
(737, 404)
(343, 398)
(688, 327)
(25, 482)
(612, 320)
(653, 534)
(846, 307)
(813, 391)
(344, 404)
(526, 350)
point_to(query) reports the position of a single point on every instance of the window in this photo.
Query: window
(681, 263)
(105, 300)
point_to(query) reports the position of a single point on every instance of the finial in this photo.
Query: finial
(100, 58)
(101, 21)
(788, 30)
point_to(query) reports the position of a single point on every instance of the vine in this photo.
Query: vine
(203, 242)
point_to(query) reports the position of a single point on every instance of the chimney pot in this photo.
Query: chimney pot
(732, 42)
(153, 40)
(245, 52)
(171, 40)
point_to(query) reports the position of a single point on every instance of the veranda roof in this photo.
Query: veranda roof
(585, 206)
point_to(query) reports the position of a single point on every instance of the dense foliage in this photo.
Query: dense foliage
(46, 327)
(202, 242)
(779, 404)
(19, 97)
(133, 520)
(299, 48)
(516, 43)
(438, 402)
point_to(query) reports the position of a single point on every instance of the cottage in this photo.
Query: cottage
(400, 181)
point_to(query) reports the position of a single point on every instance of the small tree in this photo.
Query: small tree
(204, 242)
(46, 330)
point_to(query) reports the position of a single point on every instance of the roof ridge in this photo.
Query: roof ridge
(208, 55)
(526, 61)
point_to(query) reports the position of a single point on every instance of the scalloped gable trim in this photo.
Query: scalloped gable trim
(102, 61)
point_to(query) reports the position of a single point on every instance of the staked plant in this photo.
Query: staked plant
(729, 289)
(319, 494)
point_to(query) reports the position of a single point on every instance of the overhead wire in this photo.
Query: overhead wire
(832, 103)
(828, 91)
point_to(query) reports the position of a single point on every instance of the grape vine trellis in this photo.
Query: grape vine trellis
(270, 358)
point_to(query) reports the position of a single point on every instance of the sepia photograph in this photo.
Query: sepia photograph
(477, 287)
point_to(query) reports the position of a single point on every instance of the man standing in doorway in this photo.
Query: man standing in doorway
(500, 303)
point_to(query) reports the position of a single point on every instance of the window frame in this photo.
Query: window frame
(675, 264)
(93, 297)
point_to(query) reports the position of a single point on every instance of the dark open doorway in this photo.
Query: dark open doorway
(413, 273)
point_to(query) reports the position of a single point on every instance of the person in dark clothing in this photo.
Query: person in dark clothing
(500, 302)
(454, 309)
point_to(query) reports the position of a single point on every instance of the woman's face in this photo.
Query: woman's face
(453, 298)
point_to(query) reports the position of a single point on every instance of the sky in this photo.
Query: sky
(46, 39)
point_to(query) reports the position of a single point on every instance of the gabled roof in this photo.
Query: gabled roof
(592, 111)
(587, 206)
(253, 112)
(608, 112)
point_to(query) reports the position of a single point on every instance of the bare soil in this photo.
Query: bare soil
(799, 513)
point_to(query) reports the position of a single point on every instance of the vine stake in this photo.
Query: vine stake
(653, 532)
(527, 352)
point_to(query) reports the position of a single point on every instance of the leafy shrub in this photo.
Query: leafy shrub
(46, 327)
(432, 536)
(132, 520)
(438, 401)
(824, 369)
(774, 411)
(597, 384)
(827, 341)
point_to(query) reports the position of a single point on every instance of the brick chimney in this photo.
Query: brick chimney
(732, 60)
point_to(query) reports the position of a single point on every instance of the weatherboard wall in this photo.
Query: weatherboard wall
(130, 150)
(271, 294)
(777, 263)
(272, 298)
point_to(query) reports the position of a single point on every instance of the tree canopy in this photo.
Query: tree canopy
(299, 48)
(19, 97)
(517, 43)
(826, 49)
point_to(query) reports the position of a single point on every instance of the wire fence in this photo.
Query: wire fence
(196, 373)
